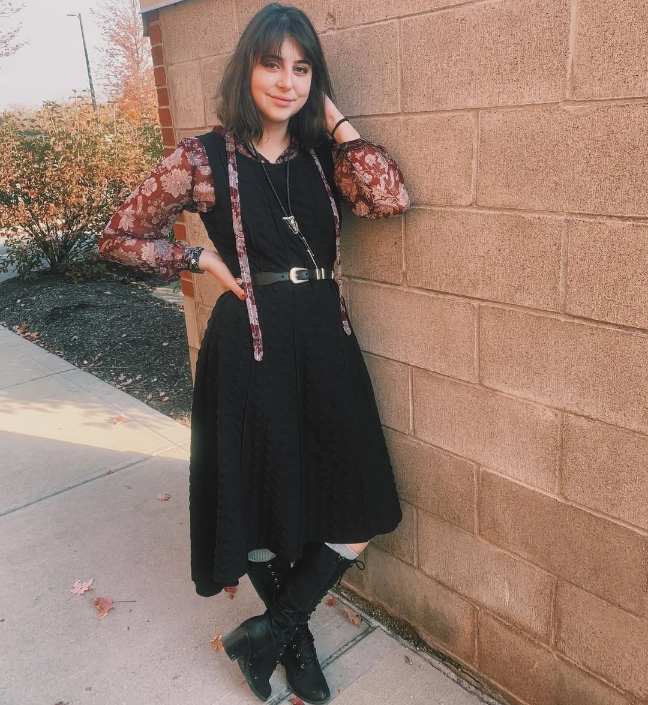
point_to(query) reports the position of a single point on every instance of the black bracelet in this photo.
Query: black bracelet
(192, 255)
(339, 122)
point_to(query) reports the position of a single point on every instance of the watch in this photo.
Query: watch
(192, 255)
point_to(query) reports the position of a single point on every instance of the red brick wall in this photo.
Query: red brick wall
(504, 319)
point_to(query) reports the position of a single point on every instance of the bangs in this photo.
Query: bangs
(272, 36)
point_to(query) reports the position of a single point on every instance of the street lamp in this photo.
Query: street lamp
(85, 51)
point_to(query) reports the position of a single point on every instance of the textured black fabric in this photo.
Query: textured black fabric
(289, 449)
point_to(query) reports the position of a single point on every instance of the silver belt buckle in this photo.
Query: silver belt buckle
(291, 275)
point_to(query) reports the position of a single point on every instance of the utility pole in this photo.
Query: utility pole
(87, 60)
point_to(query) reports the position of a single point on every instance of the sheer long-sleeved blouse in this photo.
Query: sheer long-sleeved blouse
(138, 233)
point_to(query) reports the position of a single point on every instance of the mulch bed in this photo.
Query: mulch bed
(112, 327)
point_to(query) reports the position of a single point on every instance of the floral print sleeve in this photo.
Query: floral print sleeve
(369, 179)
(137, 234)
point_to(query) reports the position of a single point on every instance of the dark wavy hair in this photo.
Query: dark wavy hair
(265, 34)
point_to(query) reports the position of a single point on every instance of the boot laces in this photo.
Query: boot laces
(304, 646)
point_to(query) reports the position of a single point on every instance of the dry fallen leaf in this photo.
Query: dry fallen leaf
(217, 642)
(103, 605)
(81, 586)
(164, 497)
(330, 600)
(296, 700)
(231, 591)
(352, 616)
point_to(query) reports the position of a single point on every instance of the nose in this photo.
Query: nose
(285, 79)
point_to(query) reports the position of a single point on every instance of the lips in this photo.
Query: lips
(282, 101)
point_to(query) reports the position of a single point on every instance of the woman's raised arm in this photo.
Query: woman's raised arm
(137, 234)
(369, 179)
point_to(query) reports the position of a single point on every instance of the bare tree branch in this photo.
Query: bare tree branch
(8, 43)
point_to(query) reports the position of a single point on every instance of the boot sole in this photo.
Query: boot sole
(309, 700)
(237, 647)
(305, 698)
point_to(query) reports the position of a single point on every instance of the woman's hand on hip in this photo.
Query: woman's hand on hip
(213, 263)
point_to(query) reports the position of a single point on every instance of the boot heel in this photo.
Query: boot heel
(236, 643)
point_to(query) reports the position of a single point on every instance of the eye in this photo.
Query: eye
(303, 69)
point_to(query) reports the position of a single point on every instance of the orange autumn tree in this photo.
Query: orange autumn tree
(126, 67)
(64, 170)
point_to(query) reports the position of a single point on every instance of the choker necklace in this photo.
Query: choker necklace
(288, 216)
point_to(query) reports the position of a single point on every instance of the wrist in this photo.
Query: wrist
(345, 132)
(332, 119)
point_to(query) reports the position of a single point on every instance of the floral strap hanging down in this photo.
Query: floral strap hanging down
(241, 251)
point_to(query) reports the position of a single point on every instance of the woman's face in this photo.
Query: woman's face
(286, 77)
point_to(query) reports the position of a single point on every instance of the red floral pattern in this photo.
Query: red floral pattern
(138, 233)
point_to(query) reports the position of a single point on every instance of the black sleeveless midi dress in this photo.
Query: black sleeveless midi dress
(288, 449)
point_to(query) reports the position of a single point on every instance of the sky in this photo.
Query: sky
(52, 66)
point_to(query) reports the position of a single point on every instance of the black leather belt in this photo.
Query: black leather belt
(296, 275)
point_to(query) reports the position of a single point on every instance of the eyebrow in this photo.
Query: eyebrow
(280, 58)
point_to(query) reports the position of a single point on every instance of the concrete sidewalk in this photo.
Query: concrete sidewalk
(82, 467)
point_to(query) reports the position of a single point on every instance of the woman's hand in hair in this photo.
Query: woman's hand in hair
(213, 263)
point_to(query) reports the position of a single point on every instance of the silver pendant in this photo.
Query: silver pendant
(292, 223)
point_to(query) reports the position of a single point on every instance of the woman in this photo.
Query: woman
(288, 459)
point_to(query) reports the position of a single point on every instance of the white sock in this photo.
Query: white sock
(344, 550)
(259, 555)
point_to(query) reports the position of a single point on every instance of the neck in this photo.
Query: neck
(274, 135)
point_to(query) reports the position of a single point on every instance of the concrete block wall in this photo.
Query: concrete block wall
(504, 318)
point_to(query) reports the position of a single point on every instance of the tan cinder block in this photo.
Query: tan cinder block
(510, 587)
(516, 438)
(437, 156)
(211, 73)
(373, 249)
(352, 12)
(584, 159)
(193, 359)
(606, 271)
(390, 381)
(533, 672)
(603, 638)
(594, 553)
(402, 541)
(198, 28)
(186, 94)
(439, 615)
(497, 256)
(604, 467)
(588, 369)
(196, 233)
(353, 55)
(203, 314)
(436, 481)
(320, 12)
(207, 289)
(502, 53)
(191, 323)
(611, 49)
(434, 332)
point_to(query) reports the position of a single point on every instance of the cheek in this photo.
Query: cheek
(258, 83)
(304, 88)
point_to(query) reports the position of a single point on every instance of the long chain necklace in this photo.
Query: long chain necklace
(288, 216)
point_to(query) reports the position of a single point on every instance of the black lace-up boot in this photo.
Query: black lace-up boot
(303, 670)
(259, 642)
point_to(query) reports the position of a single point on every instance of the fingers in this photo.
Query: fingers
(238, 290)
